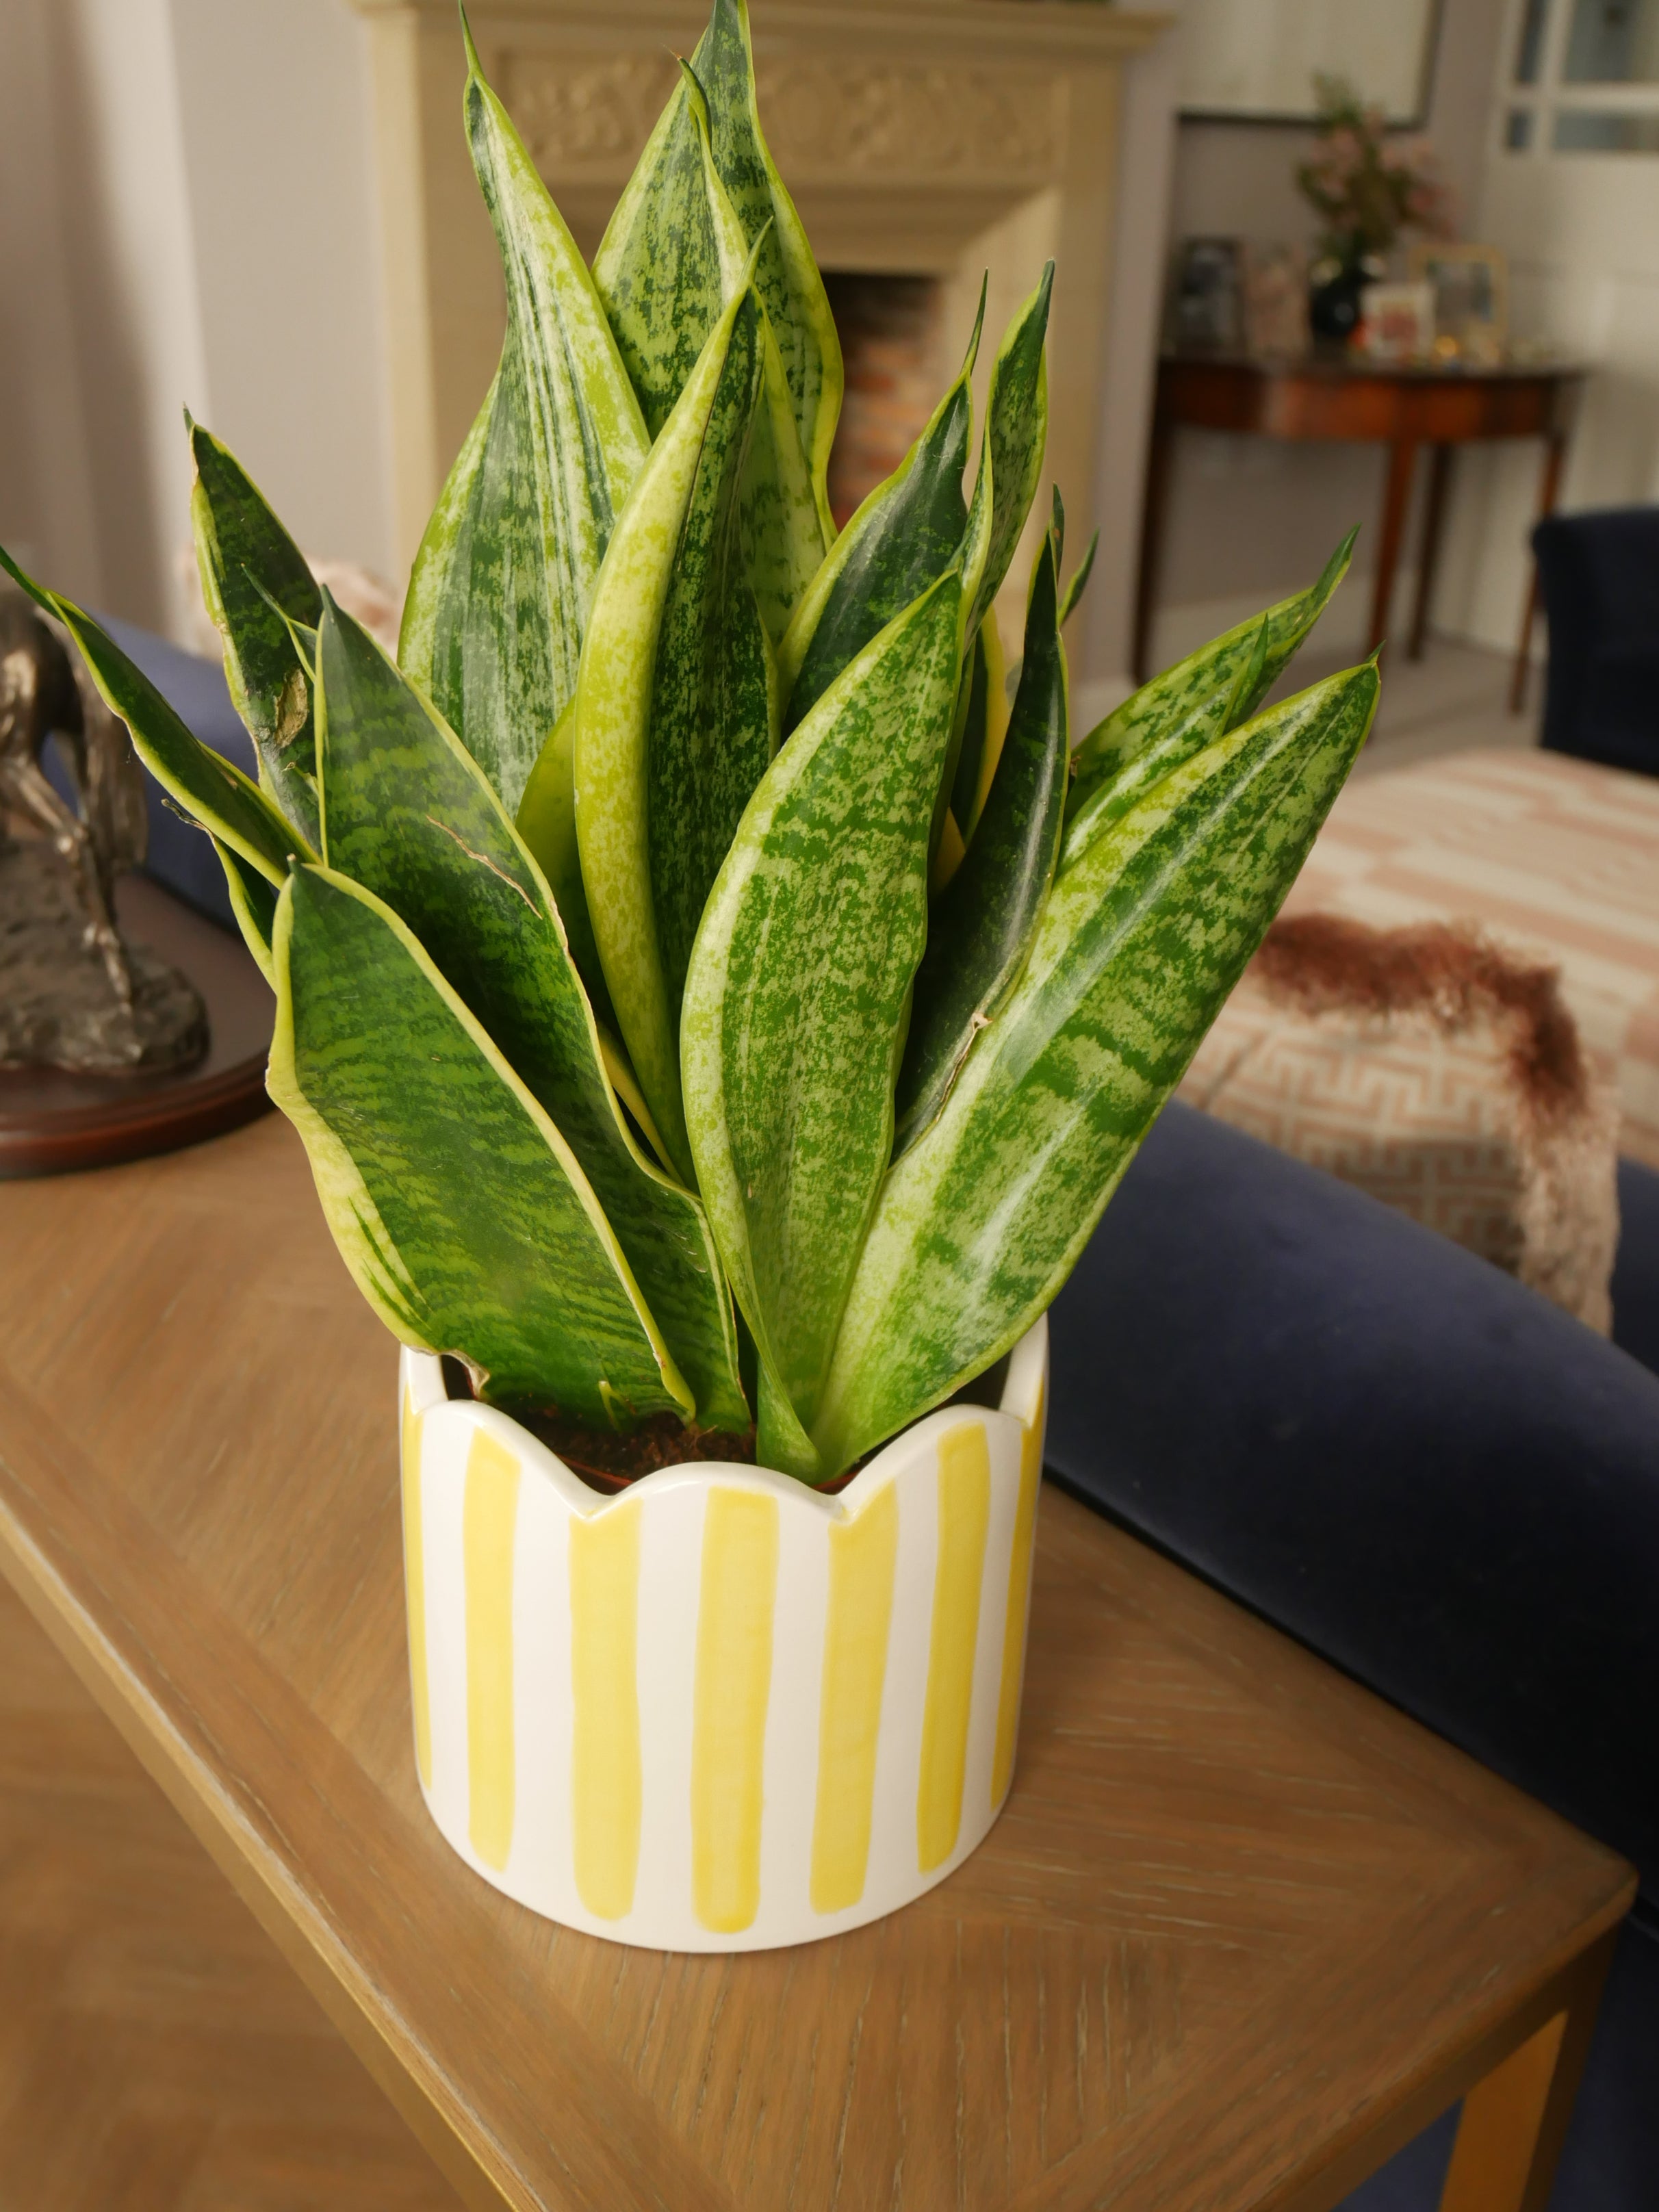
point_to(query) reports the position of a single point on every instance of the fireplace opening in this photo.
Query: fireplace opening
(889, 327)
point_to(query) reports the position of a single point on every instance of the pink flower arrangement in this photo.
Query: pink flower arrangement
(1366, 188)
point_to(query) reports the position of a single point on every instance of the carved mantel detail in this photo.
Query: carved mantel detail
(855, 122)
(588, 118)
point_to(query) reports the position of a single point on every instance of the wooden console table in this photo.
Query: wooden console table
(1242, 1931)
(1337, 398)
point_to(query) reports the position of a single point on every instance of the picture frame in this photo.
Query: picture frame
(1471, 290)
(1207, 296)
(1254, 61)
(1276, 301)
(1396, 323)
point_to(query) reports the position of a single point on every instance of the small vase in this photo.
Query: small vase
(1334, 304)
(718, 1710)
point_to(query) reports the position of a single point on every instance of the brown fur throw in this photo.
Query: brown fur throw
(1326, 963)
(1442, 1072)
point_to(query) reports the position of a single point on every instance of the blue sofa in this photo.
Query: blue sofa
(1425, 1472)
(1384, 1445)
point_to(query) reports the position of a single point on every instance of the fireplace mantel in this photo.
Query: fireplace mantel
(944, 137)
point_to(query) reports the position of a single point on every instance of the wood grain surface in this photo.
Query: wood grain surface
(1241, 1931)
(156, 2055)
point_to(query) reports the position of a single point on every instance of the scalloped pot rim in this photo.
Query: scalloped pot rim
(718, 1710)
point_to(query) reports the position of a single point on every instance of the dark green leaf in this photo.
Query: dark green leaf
(247, 560)
(903, 537)
(1016, 433)
(408, 815)
(455, 1202)
(980, 927)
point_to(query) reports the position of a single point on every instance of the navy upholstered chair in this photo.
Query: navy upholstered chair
(1598, 576)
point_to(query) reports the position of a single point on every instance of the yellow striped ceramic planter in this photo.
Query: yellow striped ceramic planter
(717, 1711)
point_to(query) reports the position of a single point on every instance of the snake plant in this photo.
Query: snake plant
(705, 994)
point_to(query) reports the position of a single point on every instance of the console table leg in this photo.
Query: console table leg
(1428, 560)
(1402, 460)
(1555, 453)
(1514, 2122)
(1159, 456)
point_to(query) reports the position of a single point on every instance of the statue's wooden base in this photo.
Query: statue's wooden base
(52, 1122)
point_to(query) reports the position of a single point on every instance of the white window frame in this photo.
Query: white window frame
(1548, 96)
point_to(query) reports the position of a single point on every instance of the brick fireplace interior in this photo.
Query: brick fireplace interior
(890, 330)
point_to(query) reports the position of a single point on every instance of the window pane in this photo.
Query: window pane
(1592, 130)
(1532, 42)
(1613, 42)
(1518, 130)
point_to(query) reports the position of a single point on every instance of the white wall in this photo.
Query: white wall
(275, 99)
(1251, 518)
(1146, 157)
(187, 220)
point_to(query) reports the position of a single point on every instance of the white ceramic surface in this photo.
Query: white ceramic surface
(717, 1711)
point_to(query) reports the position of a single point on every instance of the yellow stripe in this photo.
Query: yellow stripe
(489, 1517)
(1019, 1593)
(415, 1590)
(604, 1742)
(863, 1555)
(964, 1514)
(733, 1681)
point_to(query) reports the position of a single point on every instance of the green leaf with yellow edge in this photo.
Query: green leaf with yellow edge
(1177, 711)
(1011, 452)
(408, 814)
(904, 535)
(985, 728)
(251, 838)
(247, 560)
(547, 823)
(254, 902)
(675, 712)
(793, 1018)
(1206, 715)
(980, 927)
(673, 255)
(980, 1223)
(456, 1205)
(499, 600)
(791, 289)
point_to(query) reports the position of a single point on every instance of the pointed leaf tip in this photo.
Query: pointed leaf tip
(474, 67)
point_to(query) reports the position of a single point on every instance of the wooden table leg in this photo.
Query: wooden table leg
(1402, 460)
(1428, 560)
(1158, 458)
(1514, 2122)
(1555, 453)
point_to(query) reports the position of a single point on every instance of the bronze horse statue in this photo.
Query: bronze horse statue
(44, 694)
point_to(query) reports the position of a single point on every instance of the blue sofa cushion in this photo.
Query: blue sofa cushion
(1387, 1446)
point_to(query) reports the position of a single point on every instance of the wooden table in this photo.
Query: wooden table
(1338, 397)
(1242, 1931)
